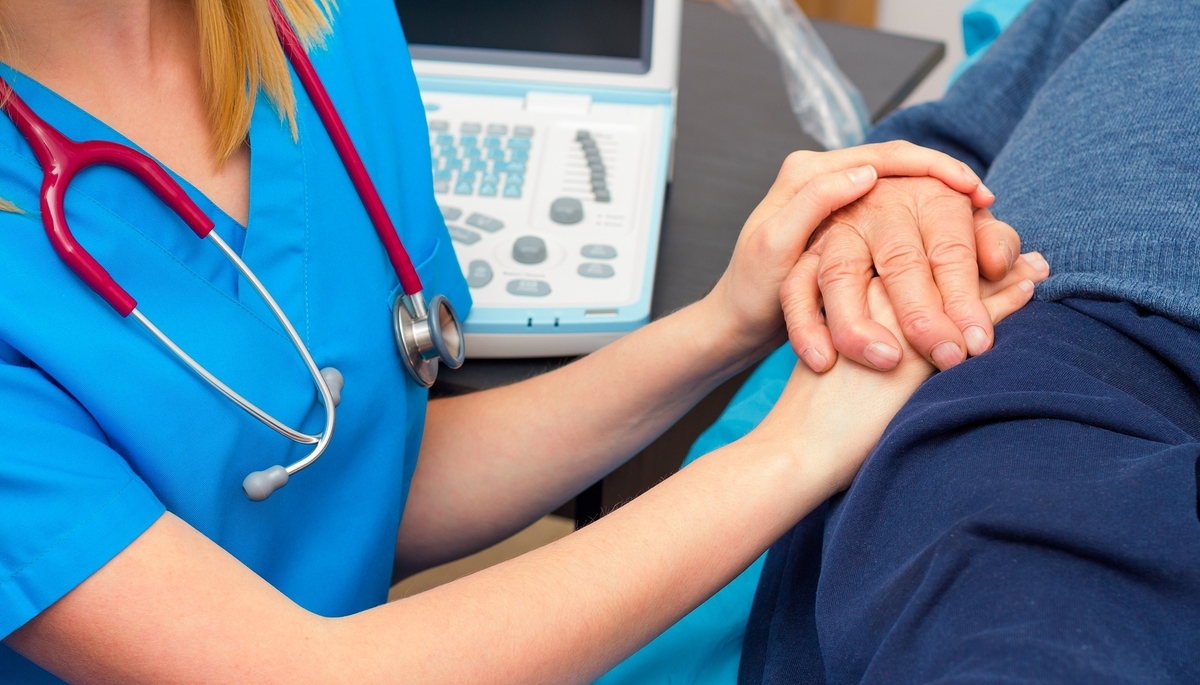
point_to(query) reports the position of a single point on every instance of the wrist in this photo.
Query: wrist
(802, 468)
(728, 332)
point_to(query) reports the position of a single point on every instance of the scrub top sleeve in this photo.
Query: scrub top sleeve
(68, 502)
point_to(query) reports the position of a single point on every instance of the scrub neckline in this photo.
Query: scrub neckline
(22, 83)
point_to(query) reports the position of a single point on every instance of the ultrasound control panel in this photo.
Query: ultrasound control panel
(554, 217)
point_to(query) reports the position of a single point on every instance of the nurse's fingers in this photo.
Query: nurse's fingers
(786, 233)
(1029, 266)
(1014, 291)
(894, 158)
(1008, 300)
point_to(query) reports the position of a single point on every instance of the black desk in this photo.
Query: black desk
(734, 129)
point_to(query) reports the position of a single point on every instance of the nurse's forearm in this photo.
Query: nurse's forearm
(570, 611)
(494, 461)
(175, 608)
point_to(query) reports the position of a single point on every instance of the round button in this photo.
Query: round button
(529, 249)
(566, 211)
(479, 273)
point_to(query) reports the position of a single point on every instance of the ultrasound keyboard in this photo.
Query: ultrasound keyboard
(550, 217)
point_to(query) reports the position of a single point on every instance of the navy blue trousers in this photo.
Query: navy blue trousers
(1029, 516)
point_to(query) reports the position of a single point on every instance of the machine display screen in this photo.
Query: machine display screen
(601, 35)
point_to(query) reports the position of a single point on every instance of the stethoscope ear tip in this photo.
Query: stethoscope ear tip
(259, 485)
(335, 381)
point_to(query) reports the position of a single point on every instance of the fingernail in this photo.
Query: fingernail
(1026, 285)
(1009, 257)
(815, 360)
(862, 175)
(986, 191)
(977, 340)
(1037, 261)
(947, 355)
(882, 356)
(969, 174)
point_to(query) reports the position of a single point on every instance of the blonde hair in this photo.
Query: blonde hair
(240, 53)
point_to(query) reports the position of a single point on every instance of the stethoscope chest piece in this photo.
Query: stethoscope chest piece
(427, 335)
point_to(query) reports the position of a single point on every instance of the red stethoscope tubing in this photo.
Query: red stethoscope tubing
(409, 280)
(62, 159)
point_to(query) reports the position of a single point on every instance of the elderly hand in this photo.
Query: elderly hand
(810, 187)
(929, 246)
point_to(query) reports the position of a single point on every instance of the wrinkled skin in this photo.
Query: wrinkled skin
(929, 245)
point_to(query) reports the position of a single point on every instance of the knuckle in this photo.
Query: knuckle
(796, 161)
(794, 294)
(894, 150)
(764, 245)
(843, 336)
(900, 259)
(852, 217)
(965, 309)
(837, 269)
(808, 336)
(951, 251)
(897, 148)
(916, 324)
(822, 191)
(852, 336)
(803, 325)
(822, 236)
(939, 197)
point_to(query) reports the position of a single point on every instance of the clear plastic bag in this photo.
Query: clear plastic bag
(828, 106)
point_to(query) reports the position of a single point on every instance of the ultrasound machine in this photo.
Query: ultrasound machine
(551, 124)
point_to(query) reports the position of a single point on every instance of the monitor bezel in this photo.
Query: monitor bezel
(549, 60)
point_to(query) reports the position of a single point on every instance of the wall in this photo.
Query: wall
(861, 12)
(933, 19)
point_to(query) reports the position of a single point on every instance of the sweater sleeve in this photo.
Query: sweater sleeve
(974, 120)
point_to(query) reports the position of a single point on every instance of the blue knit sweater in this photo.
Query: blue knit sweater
(1084, 119)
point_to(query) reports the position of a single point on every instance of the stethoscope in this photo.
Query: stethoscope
(423, 339)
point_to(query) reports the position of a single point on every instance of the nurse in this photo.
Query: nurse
(128, 552)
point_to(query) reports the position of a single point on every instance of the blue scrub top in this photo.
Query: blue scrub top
(103, 429)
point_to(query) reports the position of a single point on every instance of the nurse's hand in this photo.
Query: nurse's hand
(810, 187)
(849, 406)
